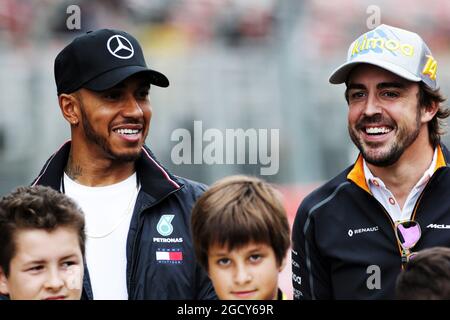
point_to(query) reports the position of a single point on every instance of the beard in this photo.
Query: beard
(402, 140)
(93, 137)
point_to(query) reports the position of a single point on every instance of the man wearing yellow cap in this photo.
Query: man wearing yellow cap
(353, 235)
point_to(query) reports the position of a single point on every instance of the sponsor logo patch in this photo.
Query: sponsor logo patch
(379, 44)
(169, 256)
(438, 226)
(168, 240)
(164, 226)
(120, 47)
(354, 232)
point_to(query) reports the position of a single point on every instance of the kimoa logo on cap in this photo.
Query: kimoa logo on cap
(120, 47)
(382, 43)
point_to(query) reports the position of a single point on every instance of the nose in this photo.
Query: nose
(373, 105)
(242, 275)
(54, 281)
(131, 108)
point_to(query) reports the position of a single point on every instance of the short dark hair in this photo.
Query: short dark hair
(426, 97)
(236, 211)
(436, 125)
(426, 276)
(36, 207)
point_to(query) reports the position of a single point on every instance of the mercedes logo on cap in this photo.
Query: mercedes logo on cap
(120, 47)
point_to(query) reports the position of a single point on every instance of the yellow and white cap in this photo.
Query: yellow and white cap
(399, 51)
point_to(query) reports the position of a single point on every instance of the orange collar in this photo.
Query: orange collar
(357, 173)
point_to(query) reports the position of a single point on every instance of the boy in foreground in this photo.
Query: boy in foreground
(241, 238)
(41, 245)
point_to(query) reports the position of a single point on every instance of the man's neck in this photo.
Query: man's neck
(403, 175)
(97, 172)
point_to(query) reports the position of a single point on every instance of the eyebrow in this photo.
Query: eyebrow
(70, 256)
(355, 86)
(382, 85)
(36, 262)
(43, 261)
(220, 254)
(226, 253)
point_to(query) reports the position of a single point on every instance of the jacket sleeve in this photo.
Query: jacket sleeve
(310, 272)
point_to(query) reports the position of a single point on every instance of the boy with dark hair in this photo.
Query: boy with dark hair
(426, 276)
(41, 245)
(241, 237)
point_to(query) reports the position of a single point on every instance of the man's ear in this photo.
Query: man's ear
(428, 112)
(70, 106)
(3, 283)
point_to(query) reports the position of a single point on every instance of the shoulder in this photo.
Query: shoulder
(325, 193)
(446, 153)
(320, 203)
(192, 189)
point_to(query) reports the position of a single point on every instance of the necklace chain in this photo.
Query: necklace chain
(127, 212)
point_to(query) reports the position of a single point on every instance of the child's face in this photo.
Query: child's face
(246, 273)
(47, 265)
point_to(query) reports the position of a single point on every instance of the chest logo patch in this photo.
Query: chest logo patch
(164, 226)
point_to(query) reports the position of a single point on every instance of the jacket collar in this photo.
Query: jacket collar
(155, 180)
(357, 173)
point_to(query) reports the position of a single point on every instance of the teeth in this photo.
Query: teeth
(377, 130)
(127, 131)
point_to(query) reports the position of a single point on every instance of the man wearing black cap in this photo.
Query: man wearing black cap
(137, 213)
(352, 236)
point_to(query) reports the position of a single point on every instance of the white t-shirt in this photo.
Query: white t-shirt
(108, 212)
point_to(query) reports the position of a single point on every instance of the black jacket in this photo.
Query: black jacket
(343, 238)
(161, 194)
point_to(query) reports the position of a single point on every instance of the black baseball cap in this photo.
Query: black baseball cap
(98, 60)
